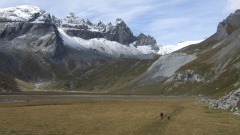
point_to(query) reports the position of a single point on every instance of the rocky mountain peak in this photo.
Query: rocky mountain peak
(109, 28)
(119, 21)
(123, 34)
(230, 24)
(48, 18)
(100, 23)
(89, 22)
(27, 13)
(24, 13)
(76, 27)
(71, 18)
(237, 12)
(142, 39)
(119, 32)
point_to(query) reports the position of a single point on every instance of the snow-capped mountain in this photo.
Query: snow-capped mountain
(41, 52)
(100, 39)
(112, 48)
(27, 13)
(23, 13)
(119, 33)
(115, 40)
(117, 37)
(34, 40)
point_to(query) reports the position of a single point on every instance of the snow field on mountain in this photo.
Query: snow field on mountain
(166, 49)
(105, 46)
(20, 13)
(116, 49)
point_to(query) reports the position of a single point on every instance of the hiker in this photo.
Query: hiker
(168, 116)
(161, 115)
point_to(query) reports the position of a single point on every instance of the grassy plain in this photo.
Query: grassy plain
(113, 115)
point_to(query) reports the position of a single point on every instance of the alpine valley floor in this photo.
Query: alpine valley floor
(112, 114)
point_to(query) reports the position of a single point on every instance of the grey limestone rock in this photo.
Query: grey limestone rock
(230, 24)
(119, 32)
(145, 40)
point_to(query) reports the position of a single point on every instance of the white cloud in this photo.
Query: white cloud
(232, 5)
(110, 10)
(168, 23)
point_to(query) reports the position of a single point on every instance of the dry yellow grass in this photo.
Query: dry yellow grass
(108, 116)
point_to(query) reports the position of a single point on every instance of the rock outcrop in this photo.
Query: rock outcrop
(119, 32)
(145, 40)
(188, 75)
(37, 47)
(229, 101)
(230, 24)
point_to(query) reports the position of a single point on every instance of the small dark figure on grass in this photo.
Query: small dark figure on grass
(168, 116)
(161, 115)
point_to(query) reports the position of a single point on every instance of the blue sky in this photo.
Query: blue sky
(168, 21)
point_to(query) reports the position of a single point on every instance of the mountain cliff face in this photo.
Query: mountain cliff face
(40, 52)
(72, 26)
(119, 32)
(37, 47)
(208, 68)
(230, 24)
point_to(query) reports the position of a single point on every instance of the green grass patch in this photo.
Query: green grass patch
(105, 78)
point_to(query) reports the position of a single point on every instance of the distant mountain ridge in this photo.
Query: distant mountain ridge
(30, 28)
(40, 52)
(75, 27)
(209, 68)
(33, 40)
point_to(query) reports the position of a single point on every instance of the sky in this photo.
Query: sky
(168, 21)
